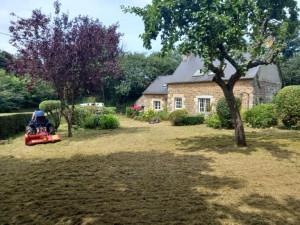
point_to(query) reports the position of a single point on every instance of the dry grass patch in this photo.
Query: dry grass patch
(153, 174)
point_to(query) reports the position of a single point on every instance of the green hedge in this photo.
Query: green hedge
(261, 115)
(186, 120)
(13, 124)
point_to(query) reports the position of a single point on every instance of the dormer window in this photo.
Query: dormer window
(211, 74)
(165, 85)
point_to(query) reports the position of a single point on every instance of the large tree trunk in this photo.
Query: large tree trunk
(236, 117)
(70, 128)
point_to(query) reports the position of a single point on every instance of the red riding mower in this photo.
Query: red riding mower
(40, 130)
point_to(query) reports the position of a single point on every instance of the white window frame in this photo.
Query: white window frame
(206, 97)
(175, 103)
(154, 104)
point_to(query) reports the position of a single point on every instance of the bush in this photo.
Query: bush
(107, 110)
(80, 115)
(52, 108)
(175, 116)
(109, 121)
(91, 121)
(224, 113)
(186, 120)
(287, 103)
(163, 115)
(193, 120)
(106, 121)
(13, 124)
(213, 121)
(261, 115)
(149, 114)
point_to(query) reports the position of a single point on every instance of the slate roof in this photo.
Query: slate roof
(158, 86)
(187, 68)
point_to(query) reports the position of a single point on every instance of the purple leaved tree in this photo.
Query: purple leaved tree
(75, 55)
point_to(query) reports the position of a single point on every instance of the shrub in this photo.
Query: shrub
(52, 108)
(163, 115)
(133, 111)
(149, 114)
(186, 120)
(80, 115)
(287, 103)
(224, 113)
(109, 121)
(261, 115)
(107, 110)
(13, 124)
(213, 121)
(91, 121)
(175, 116)
(192, 120)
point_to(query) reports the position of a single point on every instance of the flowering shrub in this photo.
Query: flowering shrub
(133, 111)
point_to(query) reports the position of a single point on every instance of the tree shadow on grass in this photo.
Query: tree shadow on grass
(224, 144)
(121, 188)
(267, 210)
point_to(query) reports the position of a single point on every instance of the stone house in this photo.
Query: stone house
(189, 89)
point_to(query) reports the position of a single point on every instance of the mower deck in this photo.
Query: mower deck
(39, 138)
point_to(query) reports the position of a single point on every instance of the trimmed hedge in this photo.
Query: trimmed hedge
(13, 124)
(175, 116)
(187, 120)
(261, 115)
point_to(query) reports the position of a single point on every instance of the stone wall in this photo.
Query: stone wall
(264, 91)
(147, 101)
(191, 92)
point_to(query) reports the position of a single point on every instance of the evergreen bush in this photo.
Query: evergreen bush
(149, 114)
(109, 121)
(224, 112)
(175, 116)
(261, 115)
(213, 121)
(287, 103)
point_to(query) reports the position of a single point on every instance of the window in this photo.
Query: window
(156, 105)
(178, 103)
(204, 105)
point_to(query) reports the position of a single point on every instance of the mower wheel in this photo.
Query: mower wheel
(30, 130)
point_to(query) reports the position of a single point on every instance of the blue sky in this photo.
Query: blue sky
(107, 11)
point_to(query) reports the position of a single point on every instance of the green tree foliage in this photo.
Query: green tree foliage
(222, 31)
(5, 60)
(19, 93)
(12, 92)
(287, 103)
(290, 71)
(139, 70)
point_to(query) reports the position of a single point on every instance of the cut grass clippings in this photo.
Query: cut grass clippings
(152, 174)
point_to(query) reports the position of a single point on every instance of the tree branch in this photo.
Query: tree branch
(252, 64)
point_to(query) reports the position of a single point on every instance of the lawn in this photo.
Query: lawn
(152, 174)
